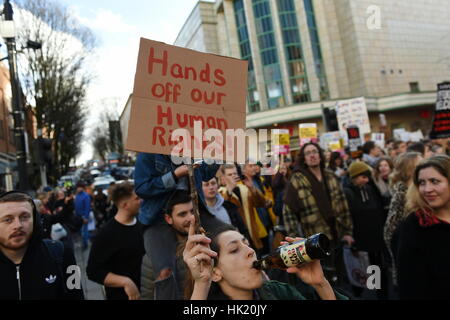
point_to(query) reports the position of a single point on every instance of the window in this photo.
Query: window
(244, 44)
(266, 41)
(317, 54)
(293, 48)
(296, 69)
(261, 8)
(294, 53)
(272, 73)
(291, 36)
(414, 87)
(308, 6)
(288, 20)
(264, 25)
(269, 57)
(285, 5)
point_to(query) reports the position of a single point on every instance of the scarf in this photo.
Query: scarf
(428, 219)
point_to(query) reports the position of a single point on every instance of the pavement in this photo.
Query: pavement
(92, 290)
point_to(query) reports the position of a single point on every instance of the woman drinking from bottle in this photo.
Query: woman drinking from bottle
(222, 267)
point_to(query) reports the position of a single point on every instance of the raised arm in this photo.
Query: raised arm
(198, 257)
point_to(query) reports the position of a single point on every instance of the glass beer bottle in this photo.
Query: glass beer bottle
(296, 253)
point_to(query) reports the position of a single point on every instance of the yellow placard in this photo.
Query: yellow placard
(335, 145)
(308, 132)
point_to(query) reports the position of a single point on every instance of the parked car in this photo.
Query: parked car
(103, 183)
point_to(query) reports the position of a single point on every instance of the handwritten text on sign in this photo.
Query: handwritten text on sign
(352, 112)
(175, 87)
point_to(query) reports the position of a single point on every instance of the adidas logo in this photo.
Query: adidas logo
(51, 279)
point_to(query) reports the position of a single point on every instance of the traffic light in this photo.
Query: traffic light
(47, 152)
(331, 123)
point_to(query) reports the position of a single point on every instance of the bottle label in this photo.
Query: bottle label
(294, 254)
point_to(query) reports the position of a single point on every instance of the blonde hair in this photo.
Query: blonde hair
(404, 166)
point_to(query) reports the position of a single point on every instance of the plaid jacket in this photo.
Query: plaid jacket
(300, 211)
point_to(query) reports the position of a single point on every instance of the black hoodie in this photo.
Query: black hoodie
(38, 276)
(368, 215)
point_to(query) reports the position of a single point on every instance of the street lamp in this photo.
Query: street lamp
(18, 115)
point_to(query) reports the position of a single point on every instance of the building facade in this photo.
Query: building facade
(8, 163)
(307, 54)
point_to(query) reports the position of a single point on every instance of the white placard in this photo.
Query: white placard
(352, 112)
(378, 138)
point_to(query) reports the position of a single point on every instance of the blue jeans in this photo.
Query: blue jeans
(85, 235)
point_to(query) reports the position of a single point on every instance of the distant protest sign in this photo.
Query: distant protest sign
(330, 138)
(352, 112)
(177, 88)
(441, 123)
(378, 138)
(281, 141)
(307, 133)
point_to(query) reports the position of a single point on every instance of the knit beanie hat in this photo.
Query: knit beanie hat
(357, 168)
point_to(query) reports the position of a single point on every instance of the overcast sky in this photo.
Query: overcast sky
(118, 26)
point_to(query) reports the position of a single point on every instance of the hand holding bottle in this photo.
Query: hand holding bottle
(310, 273)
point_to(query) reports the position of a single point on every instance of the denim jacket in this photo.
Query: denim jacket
(154, 183)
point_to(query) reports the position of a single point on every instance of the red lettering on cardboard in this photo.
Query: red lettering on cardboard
(152, 60)
(159, 132)
(162, 115)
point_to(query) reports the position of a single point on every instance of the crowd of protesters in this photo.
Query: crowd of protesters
(392, 203)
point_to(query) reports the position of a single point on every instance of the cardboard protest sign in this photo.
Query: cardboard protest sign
(352, 112)
(441, 123)
(281, 141)
(177, 88)
(307, 133)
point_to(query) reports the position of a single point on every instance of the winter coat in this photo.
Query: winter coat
(424, 258)
(301, 211)
(251, 199)
(396, 215)
(368, 216)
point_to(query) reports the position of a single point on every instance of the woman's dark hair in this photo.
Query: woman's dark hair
(301, 163)
(333, 157)
(215, 293)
